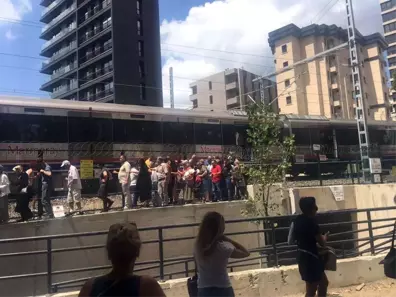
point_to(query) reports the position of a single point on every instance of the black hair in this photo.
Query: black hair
(307, 204)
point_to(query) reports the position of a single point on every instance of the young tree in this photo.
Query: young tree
(272, 154)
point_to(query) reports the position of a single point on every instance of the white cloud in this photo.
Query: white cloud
(242, 26)
(14, 9)
(9, 35)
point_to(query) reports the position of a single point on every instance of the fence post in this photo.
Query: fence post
(358, 171)
(186, 268)
(370, 229)
(319, 169)
(161, 252)
(49, 266)
(274, 244)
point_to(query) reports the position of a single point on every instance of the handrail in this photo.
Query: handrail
(273, 253)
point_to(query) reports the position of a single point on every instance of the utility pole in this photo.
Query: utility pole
(240, 89)
(361, 110)
(171, 90)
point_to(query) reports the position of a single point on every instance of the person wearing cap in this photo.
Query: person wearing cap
(20, 190)
(73, 187)
(4, 191)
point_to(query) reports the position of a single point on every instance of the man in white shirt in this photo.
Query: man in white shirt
(163, 181)
(4, 191)
(124, 180)
(73, 187)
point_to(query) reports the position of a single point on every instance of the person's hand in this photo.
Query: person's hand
(41, 170)
(326, 235)
(115, 172)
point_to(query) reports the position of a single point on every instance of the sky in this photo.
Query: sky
(198, 38)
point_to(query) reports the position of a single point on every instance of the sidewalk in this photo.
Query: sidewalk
(385, 288)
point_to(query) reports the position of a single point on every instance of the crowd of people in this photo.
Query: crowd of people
(166, 181)
(212, 251)
(153, 181)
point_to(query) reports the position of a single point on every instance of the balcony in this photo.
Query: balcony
(91, 15)
(64, 70)
(93, 35)
(104, 96)
(233, 100)
(58, 37)
(193, 97)
(96, 55)
(95, 77)
(333, 69)
(334, 85)
(62, 53)
(58, 75)
(46, 30)
(231, 85)
(336, 102)
(230, 71)
(65, 89)
(47, 12)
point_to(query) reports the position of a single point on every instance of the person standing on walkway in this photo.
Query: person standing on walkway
(163, 175)
(143, 183)
(133, 178)
(307, 233)
(73, 187)
(104, 180)
(216, 180)
(212, 250)
(4, 191)
(45, 172)
(20, 190)
(123, 179)
(123, 248)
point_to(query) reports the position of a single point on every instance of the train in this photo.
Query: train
(82, 130)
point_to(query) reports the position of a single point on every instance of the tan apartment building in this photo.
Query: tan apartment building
(324, 87)
(388, 12)
(230, 89)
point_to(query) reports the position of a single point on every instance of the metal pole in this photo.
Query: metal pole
(49, 266)
(371, 234)
(172, 93)
(358, 93)
(161, 252)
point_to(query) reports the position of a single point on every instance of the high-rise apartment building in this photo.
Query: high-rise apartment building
(230, 89)
(102, 50)
(324, 87)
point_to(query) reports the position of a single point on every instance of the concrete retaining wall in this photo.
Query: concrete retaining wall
(274, 282)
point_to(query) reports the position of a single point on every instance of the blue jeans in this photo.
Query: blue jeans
(217, 191)
(134, 195)
(230, 188)
(216, 292)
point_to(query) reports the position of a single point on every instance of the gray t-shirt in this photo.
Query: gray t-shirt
(212, 269)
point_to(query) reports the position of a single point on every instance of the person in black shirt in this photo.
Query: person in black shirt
(105, 177)
(307, 235)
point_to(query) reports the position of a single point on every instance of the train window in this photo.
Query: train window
(347, 136)
(33, 128)
(82, 129)
(127, 131)
(178, 133)
(301, 136)
(235, 135)
(208, 134)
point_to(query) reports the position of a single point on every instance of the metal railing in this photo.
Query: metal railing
(349, 237)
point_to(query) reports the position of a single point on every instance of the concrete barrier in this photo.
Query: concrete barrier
(277, 282)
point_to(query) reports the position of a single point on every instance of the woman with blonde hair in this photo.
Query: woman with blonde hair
(211, 252)
(123, 248)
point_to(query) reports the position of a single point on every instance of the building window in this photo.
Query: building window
(364, 79)
(195, 103)
(275, 62)
(194, 90)
(383, 80)
(285, 64)
(139, 28)
(351, 79)
(287, 83)
(210, 99)
(141, 69)
(139, 7)
(140, 48)
(210, 85)
(142, 92)
(366, 96)
(284, 49)
(288, 100)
